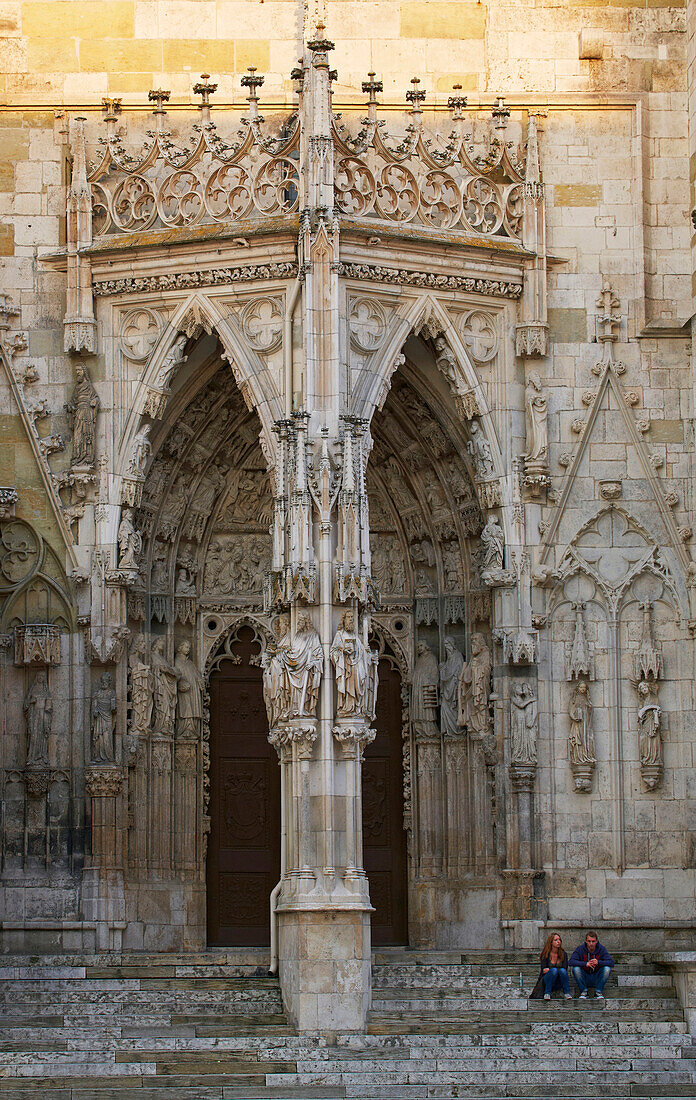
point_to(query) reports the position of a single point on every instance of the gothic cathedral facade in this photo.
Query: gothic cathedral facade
(347, 576)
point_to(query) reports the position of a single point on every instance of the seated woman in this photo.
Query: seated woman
(554, 969)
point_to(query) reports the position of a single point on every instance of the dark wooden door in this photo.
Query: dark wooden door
(244, 843)
(384, 839)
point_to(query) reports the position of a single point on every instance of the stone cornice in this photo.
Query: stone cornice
(190, 280)
(497, 288)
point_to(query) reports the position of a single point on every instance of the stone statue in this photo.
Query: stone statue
(82, 410)
(185, 582)
(164, 681)
(492, 548)
(130, 541)
(581, 746)
(424, 693)
(103, 720)
(305, 664)
(141, 686)
(173, 359)
(140, 453)
(474, 689)
(276, 686)
(649, 722)
(38, 712)
(450, 671)
(480, 450)
(189, 693)
(523, 724)
(536, 410)
(352, 661)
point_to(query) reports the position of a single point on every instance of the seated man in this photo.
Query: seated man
(591, 965)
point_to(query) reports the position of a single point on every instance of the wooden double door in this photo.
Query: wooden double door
(244, 844)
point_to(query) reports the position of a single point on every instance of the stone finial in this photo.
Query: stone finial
(608, 319)
(204, 89)
(500, 113)
(372, 86)
(160, 97)
(457, 102)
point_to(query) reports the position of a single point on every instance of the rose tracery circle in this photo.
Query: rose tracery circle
(276, 187)
(180, 201)
(440, 200)
(354, 186)
(483, 210)
(228, 192)
(134, 205)
(397, 193)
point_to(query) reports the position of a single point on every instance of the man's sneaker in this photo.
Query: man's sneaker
(567, 996)
(547, 996)
(583, 995)
(599, 996)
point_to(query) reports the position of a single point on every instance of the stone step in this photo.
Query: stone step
(145, 984)
(418, 1026)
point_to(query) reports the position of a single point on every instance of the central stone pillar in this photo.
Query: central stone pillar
(319, 674)
(320, 681)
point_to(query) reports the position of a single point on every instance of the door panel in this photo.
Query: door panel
(244, 844)
(384, 839)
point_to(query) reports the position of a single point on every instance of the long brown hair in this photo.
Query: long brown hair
(546, 949)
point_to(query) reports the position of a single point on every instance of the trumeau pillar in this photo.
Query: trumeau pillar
(319, 675)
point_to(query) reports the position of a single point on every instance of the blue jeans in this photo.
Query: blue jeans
(587, 980)
(553, 976)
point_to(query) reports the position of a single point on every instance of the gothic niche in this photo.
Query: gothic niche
(424, 516)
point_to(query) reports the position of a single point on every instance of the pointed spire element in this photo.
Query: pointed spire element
(532, 171)
(500, 113)
(78, 181)
(204, 89)
(372, 87)
(252, 81)
(348, 465)
(457, 102)
(320, 45)
(160, 97)
(112, 109)
(415, 96)
(608, 319)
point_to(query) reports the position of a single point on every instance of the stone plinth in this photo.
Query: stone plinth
(324, 968)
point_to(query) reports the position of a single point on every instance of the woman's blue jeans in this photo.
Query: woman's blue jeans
(553, 976)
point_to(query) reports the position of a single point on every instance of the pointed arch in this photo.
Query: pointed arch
(244, 363)
(428, 309)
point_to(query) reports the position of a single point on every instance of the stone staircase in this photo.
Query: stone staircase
(443, 1024)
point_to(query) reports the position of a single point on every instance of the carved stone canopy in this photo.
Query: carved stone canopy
(37, 644)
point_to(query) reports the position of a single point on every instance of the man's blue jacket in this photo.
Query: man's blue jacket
(581, 956)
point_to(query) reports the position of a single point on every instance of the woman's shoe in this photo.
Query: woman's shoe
(547, 996)
(567, 996)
